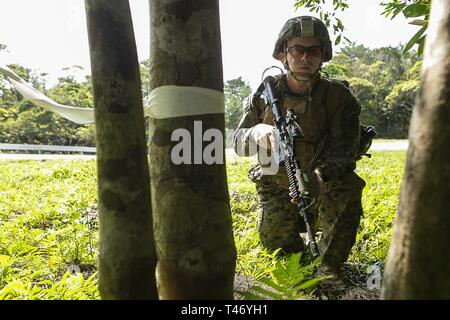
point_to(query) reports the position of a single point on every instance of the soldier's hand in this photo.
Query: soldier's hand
(262, 134)
(291, 194)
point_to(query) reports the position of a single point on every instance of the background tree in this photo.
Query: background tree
(400, 101)
(418, 10)
(127, 256)
(327, 14)
(193, 227)
(236, 90)
(22, 122)
(418, 264)
(385, 80)
(145, 77)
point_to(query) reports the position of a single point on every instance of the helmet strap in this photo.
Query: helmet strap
(300, 76)
(296, 76)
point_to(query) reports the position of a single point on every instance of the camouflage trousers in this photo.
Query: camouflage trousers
(337, 213)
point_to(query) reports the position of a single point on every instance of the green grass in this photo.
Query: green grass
(383, 174)
(49, 238)
(46, 233)
(253, 259)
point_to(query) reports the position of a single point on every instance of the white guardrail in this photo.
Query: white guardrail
(397, 145)
(40, 147)
(34, 151)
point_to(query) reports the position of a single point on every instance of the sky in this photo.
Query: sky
(48, 35)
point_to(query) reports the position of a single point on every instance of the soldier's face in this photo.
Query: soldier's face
(304, 55)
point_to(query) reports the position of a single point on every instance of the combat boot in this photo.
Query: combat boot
(335, 281)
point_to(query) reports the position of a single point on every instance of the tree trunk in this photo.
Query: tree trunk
(192, 220)
(418, 266)
(127, 254)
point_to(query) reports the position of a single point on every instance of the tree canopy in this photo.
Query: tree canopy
(22, 122)
(385, 80)
(236, 90)
(418, 11)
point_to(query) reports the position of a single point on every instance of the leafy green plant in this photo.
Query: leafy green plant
(69, 287)
(289, 280)
(327, 13)
(419, 10)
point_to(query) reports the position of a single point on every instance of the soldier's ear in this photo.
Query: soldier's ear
(282, 57)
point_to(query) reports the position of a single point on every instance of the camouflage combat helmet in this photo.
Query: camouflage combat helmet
(304, 26)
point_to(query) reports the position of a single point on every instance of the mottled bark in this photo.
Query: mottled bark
(127, 258)
(192, 220)
(418, 265)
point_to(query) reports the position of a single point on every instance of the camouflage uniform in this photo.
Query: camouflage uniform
(329, 113)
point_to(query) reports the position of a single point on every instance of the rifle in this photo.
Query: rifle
(288, 131)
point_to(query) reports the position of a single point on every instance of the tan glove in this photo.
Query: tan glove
(263, 135)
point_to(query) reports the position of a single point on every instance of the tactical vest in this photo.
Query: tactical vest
(314, 114)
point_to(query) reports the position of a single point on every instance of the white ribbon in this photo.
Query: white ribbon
(164, 102)
(75, 114)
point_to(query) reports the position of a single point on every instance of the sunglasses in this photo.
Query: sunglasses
(296, 49)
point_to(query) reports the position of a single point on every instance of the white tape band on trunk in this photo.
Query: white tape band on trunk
(176, 101)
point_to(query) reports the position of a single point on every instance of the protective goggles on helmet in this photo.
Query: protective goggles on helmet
(312, 51)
